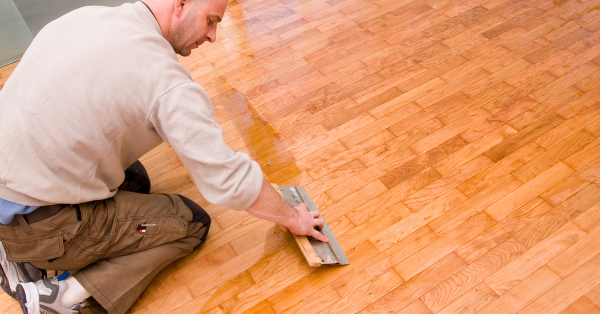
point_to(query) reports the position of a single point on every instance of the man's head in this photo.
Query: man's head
(186, 24)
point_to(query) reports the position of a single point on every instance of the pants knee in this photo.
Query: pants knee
(199, 215)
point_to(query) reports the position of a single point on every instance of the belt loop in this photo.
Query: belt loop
(24, 224)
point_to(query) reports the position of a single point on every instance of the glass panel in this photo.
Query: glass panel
(20, 20)
(14, 33)
(38, 13)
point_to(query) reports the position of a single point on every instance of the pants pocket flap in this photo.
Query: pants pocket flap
(42, 248)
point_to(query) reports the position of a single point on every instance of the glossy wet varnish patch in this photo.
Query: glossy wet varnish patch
(262, 142)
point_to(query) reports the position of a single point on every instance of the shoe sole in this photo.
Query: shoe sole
(25, 296)
(22, 298)
(6, 285)
(21, 271)
(5, 281)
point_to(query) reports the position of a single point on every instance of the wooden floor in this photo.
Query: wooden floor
(452, 146)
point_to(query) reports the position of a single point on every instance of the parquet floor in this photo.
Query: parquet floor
(453, 147)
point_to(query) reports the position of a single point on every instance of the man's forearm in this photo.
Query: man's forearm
(270, 205)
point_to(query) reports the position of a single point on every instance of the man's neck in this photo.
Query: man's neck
(149, 9)
(162, 11)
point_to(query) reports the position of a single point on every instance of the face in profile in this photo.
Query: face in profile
(197, 24)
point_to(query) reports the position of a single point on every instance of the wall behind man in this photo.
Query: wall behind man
(21, 20)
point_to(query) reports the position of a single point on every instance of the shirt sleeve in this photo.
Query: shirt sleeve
(185, 119)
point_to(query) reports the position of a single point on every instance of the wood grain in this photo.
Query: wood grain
(453, 146)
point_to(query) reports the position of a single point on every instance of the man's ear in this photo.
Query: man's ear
(178, 6)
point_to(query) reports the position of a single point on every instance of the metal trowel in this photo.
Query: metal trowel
(315, 251)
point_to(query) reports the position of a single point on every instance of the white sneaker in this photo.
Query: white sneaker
(14, 273)
(43, 297)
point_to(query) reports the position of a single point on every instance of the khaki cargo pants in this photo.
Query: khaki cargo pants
(99, 244)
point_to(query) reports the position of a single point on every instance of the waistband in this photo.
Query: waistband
(39, 214)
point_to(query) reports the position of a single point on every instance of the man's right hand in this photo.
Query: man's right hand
(270, 205)
(304, 223)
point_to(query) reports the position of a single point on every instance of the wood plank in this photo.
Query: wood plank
(400, 142)
(207, 261)
(456, 85)
(448, 242)
(262, 307)
(373, 226)
(171, 300)
(222, 273)
(264, 289)
(366, 272)
(318, 301)
(583, 157)
(558, 217)
(328, 138)
(354, 152)
(528, 191)
(516, 21)
(522, 138)
(474, 149)
(568, 290)
(540, 67)
(581, 305)
(437, 188)
(483, 179)
(347, 203)
(473, 300)
(267, 233)
(562, 191)
(452, 146)
(524, 292)
(576, 256)
(411, 290)
(416, 220)
(510, 60)
(449, 131)
(594, 295)
(366, 294)
(407, 97)
(520, 123)
(368, 175)
(472, 275)
(553, 155)
(576, 61)
(335, 177)
(392, 196)
(525, 215)
(379, 125)
(492, 50)
(295, 295)
(589, 220)
(581, 103)
(421, 162)
(473, 205)
(482, 244)
(536, 257)
(593, 128)
(416, 307)
(557, 45)
(563, 82)
(230, 233)
(215, 296)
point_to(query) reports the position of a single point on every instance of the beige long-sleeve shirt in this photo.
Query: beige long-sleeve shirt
(97, 89)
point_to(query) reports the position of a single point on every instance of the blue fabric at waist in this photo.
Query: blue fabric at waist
(9, 209)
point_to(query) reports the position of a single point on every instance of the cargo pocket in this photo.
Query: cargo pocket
(35, 249)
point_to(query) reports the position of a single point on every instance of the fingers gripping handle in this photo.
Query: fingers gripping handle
(307, 250)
